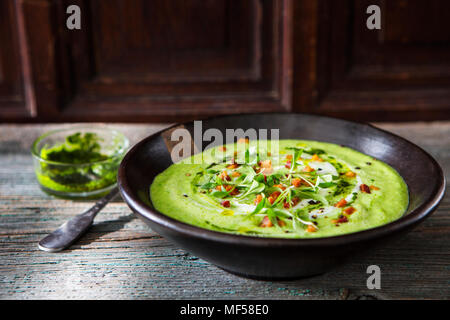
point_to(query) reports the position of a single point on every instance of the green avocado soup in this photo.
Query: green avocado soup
(306, 189)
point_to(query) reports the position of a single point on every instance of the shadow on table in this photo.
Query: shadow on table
(101, 229)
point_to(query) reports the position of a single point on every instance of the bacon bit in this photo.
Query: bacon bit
(219, 188)
(315, 157)
(293, 202)
(273, 197)
(289, 157)
(258, 198)
(266, 164)
(288, 164)
(341, 203)
(311, 228)
(349, 210)
(296, 182)
(364, 188)
(350, 174)
(235, 174)
(225, 203)
(342, 219)
(308, 169)
(243, 140)
(266, 223)
(280, 186)
(233, 165)
(269, 154)
(222, 148)
(224, 176)
(235, 192)
(374, 188)
(275, 194)
(229, 187)
(281, 223)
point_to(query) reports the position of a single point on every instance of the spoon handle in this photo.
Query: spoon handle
(73, 229)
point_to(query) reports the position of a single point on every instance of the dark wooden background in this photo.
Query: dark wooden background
(172, 60)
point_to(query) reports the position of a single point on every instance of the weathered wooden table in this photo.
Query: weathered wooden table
(122, 258)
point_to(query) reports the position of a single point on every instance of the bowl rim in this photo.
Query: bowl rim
(145, 211)
(123, 149)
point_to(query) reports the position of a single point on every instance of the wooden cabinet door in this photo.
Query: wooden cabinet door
(15, 91)
(158, 60)
(174, 60)
(400, 72)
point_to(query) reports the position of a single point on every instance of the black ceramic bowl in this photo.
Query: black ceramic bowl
(274, 258)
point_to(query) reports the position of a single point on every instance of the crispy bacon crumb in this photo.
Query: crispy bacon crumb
(341, 203)
(350, 174)
(293, 203)
(225, 203)
(228, 188)
(374, 187)
(273, 196)
(233, 166)
(258, 198)
(308, 169)
(288, 164)
(349, 210)
(341, 219)
(296, 182)
(266, 164)
(224, 176)
(311, 228)
(364, 188)
(266, 223)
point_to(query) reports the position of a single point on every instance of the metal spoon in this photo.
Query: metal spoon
(73, 229)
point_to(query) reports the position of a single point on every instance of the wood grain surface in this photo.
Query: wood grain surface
(122, 258)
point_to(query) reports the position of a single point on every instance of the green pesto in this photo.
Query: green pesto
(77, 165)
(187, 191)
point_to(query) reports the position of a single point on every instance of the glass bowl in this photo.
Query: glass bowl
(83, 166)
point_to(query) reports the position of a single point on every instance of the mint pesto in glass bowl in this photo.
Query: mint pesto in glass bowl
(79, 162)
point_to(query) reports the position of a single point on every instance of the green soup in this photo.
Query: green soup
(302, 189)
